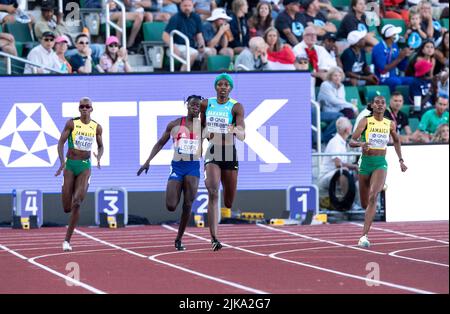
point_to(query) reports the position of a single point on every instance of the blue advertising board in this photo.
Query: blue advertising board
(134, 110)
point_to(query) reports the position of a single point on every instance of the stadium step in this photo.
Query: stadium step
(136, 60)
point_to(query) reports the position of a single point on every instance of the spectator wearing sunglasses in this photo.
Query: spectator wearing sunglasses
(81, 62)
(43, 55)
(115, 58)
(61, 43)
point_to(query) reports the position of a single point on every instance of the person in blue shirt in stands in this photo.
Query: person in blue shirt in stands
(388, 58)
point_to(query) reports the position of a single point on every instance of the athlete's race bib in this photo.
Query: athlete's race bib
(378, 140)
(217, 124)
(83, 143)
(187, 146)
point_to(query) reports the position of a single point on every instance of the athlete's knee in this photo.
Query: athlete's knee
(171, 207)
(213, 192)
(76, 203)
(228, 203)
(67, 209)
(373, 198)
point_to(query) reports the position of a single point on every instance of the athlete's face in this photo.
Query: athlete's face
(85, 107)
(194, 107)
(379, 104)
(223, 88)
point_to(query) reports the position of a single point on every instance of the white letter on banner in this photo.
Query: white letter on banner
(103, 110)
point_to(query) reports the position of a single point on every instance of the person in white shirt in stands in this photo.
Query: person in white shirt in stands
(337, 145)
(43, 55)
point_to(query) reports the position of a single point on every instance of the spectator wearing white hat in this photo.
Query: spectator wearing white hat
(388, 58)
(217, 33)
(354, 61)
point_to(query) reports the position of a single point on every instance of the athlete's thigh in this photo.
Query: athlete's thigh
(190, 187)
(82, 184)
(212, 176)
(229, 183)
(377, 181)
(364, 188)
(67, 188)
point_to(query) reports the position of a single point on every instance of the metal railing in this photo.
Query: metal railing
(25, 61)
(316, 128)
(172, 54)
(109, 23)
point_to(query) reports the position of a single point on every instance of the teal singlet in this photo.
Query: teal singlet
(219, 116)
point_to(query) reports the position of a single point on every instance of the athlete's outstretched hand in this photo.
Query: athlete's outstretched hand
(98, 160)
(144, 167)
(61, 168)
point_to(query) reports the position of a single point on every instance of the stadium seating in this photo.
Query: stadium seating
(351, 92)
(370, 92)
(444, 23)
(153, 31)
(218, 63)
(413, 123)
(22, 35)
(341, 4)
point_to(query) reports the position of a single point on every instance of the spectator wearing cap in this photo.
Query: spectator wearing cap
(302, 64)
(43, 55)
(313, 17)
(190, 24)
(8, 9)
(217, 33)
(8, 44)
(61, 44)
(115, 58)
(289, 22)
(431, 120)
(354, 61)
(329, 43)
(280, 56)
(421, 85)
(239, 25)
(388, 58)
(204, 8)
(48, 22)
(356, 20)
(82, 61)
(261, 20)
(253, 58)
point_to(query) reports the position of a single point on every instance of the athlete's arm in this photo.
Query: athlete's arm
(203, 106)
(239, 130)
(354, 141)
(62, 140)
(158, 146)
(99, 144)
(397, 146)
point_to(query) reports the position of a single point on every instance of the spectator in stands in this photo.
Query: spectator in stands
(330, 12)
(313, 17)
(204, 8)
(48, 22)
(8, 9)
(394, 9)
(425, 52)
(399, 117)
(82, 62)
(280, 56)
(43, 55)
(431, 120)
(302, 64)
(441, 135)
(8, 44)
(152, 12)
(330, 164)
(421, 85)
(289, 22)
(318, 56)
(429, 25)
(171, 7)
(356, 20)
(329, 43)
(387, 58)
(442, 83)
(261, 20)
(217, 33)
(414, 35)
(253, 58)
(239, 26)
(332, 94)
(115, 58)
(61, 44)
(354, 62)
(442, 54)
(189, 23)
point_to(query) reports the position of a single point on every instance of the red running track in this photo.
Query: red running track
(404, 258)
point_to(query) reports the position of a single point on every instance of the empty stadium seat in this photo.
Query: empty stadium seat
(444, 23)
(352, 92)
(404, 89)
(370, 92)
(341, 4)
(218, 63)
(22, 36)
(153, 31)
(413, 123)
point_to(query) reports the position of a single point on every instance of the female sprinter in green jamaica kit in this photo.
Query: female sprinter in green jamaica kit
(81, 133)
(374, 132)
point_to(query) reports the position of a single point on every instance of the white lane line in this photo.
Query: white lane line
(320, 240)
(54, 272)
(401, 233)
(394, 253)
(365, 279)
(154, 258)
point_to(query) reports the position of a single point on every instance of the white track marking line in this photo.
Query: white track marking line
(365, 279)
(54, 272)
(394, 253)
(320, 240)
(401, 233)
(153, 258)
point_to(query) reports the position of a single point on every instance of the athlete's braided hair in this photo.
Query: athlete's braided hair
(193, 97)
